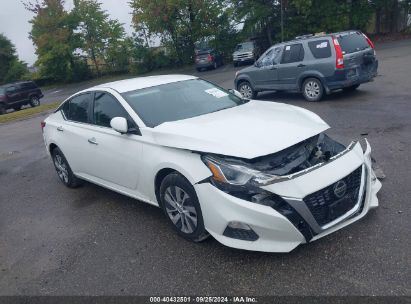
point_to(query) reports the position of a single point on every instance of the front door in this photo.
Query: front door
(112, 157)
(266, 77)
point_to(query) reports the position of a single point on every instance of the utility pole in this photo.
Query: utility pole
(282, 21)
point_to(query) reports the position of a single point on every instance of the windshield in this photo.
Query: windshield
(244, 46)
(179, 100)
(352, 42)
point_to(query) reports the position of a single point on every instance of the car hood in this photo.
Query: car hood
(254, 129)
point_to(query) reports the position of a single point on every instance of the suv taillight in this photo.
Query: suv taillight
(210, 58)
(370, 43)
(197, 59)
(339, 61)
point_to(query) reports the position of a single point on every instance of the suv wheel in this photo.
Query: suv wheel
(63, 169)
(246, 90)
(313, 89)
(2, 109)
(34, 101)
(180, 204)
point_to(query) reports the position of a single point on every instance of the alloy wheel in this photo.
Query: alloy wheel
(61, 168)
(312, 89)
(35, 101)
(246, 91)
(180, 209)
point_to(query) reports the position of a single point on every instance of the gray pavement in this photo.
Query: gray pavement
(92, 241)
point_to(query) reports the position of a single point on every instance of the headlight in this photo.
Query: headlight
(234, 174)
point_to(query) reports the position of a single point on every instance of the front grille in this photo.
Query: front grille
(335, 200)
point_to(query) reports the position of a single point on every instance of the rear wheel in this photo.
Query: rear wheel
(246, 90)
(2, 109)
(312, 89)
(63, 169)
(34, 101)
(180, 204)
(17, 108)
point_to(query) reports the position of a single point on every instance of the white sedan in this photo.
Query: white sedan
(255, 175)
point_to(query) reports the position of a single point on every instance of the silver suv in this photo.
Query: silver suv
(246, 52)
(312, 65)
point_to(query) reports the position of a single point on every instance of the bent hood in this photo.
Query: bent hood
(254, 129)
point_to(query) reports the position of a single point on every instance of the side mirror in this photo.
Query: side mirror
(119, 124)
(236, 93)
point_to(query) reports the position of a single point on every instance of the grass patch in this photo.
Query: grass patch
(28, 112)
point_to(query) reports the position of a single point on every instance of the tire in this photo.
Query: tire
(180, 204)
(352, 88)
(2, 110)
(247, 90)
(63, 169)
(313, 89)
(34, 101)
(17, 108)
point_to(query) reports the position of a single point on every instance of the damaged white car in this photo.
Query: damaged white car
(255, 175)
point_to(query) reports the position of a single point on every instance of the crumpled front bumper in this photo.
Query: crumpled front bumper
(275, 232)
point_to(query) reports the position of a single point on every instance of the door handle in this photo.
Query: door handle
(300, 65)
(60, 129)
(93, 141)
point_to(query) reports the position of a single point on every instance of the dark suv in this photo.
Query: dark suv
(16, 95)
(312, 65)
(208, 58)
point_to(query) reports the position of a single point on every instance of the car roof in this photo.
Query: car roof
(138, 83)
(15, 83)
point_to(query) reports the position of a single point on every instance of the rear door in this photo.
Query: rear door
(359, 56)
(13, 95)
(291, 66)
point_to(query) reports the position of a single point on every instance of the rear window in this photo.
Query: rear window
(352, 42)
(293, 53)
(320, 48)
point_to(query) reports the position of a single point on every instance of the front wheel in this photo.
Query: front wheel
(180, 204)
(313, 89)
(34, 101)
(246, 90)
(63, 169)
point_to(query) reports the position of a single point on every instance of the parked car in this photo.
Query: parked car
(255, 175)
(312, 65)
(246, 52)
(208, 58)
(16, 95)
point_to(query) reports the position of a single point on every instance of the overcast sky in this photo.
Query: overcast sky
(14, 23)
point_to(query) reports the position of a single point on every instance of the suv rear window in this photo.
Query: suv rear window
(320, 48)
(293, 53)
(352, 42)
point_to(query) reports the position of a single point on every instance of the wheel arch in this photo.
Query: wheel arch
(244, 78)
(158, 180)
(312, 74)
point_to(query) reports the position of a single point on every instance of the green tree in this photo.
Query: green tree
(52, 34)
(179, 23)
(103, 39)
(11, 68)
(7, 56)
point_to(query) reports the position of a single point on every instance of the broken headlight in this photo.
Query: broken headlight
(226, 172)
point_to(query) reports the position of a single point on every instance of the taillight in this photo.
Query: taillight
(370, 43)
(210, 58)
(42, 124)
(339, 63)
(197, 59)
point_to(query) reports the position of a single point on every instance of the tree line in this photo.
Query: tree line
(85, 42)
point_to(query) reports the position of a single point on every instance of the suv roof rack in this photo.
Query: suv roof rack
(304, 36)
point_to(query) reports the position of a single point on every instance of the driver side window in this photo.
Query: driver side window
(272, 57)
